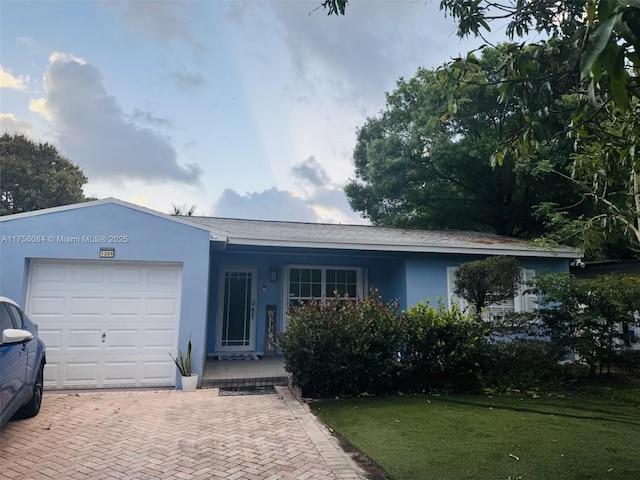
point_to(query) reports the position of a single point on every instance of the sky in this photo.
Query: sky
(244, 109)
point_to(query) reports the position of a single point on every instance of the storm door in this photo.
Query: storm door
(237, 310)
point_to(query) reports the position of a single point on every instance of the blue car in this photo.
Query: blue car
(22, 360)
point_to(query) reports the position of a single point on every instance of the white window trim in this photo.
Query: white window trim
(362, 283)
(522, 302)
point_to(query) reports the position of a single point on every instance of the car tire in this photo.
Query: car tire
(32, 408)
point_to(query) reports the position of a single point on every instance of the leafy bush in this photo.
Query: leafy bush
(591, 317)
(342, 346)
(522, 364)
(442, 349)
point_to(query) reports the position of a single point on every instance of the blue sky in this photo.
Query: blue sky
(244, 109)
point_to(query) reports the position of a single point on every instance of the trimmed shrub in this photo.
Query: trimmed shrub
(342, 346)
(442, 349)
(522, 364)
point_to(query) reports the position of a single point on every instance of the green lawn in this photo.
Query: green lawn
(501, 437)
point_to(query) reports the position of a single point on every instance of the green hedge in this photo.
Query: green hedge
(349, 347)
(442, 349)
(343, 346)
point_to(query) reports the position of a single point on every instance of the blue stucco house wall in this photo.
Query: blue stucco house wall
(110, 319)
(74, 236)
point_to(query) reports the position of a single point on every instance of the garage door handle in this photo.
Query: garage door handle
(104, 335)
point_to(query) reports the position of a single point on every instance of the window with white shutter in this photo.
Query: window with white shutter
(522, 302)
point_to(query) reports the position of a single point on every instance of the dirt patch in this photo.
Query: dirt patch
(371, 468)
(230, 392)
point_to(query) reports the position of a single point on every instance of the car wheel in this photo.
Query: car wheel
(32, 408)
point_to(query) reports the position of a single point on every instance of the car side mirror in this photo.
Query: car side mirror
(14, 335)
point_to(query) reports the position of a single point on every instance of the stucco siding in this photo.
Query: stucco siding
(386, 272)
(426, 275)
(79, 233)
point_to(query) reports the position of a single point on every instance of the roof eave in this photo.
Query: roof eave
(409, 248)
(113, 201)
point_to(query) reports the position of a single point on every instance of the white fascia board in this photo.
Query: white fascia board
(519, 252)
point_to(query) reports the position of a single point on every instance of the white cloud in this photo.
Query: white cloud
(319, 201)
(272, 204)
(94, 132)
(10, 124)
(327, 205)
(9, 80)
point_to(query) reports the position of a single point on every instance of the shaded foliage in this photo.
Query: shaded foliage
(342, 346)
(592, 317)
(345, 347)
(442, 350)
(424, 161)
(35, 176)
(489, 281)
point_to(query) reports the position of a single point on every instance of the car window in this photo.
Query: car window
(6, 318)
(16, 313)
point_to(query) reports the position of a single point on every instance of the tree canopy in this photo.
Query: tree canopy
(487, 282)
(578, 82)
(35, 176)
(424, 161)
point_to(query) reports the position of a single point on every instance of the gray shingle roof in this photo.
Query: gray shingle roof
(364, 237)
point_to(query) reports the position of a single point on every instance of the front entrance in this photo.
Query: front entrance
(236, 319)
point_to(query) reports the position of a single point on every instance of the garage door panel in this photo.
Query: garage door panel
(83, 339)
(127, 275)
(159, 307)
(136, 306)
(49, 305)
(51, 373)
(51, 274)
(160, 338)
(124, 306)
(81, 373)
(158, 372)
(119, 373)
(85, 274)
(52, 338)
(87, 305)
(164, 276)
(122, 338)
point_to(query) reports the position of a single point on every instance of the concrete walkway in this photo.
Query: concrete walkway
(168, 434)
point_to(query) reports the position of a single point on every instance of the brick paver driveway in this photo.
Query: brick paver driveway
(168, 434)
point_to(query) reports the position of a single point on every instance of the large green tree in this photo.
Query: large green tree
(35, 176)
(579, 80)
(424, 161)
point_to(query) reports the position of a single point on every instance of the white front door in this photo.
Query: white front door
(237, 305)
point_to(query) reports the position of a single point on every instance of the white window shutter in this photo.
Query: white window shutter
(452, 298)
(526, 302)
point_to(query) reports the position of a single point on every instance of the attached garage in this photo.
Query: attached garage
(109, 320)
(106, 324)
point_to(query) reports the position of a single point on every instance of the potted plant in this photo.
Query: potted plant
(183, 362)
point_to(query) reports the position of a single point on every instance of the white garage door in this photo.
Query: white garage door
(106, 324)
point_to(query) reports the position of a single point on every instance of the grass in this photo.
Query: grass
(560, 437)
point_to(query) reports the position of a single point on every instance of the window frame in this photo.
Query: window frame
(361, 283)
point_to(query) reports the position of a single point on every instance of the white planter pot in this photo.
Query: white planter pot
(189, 384)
